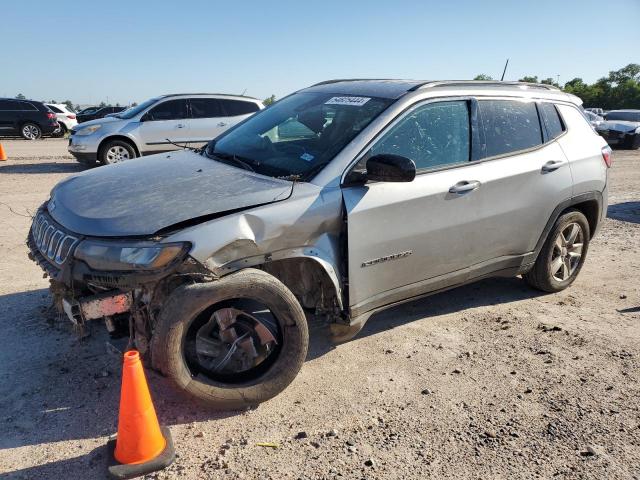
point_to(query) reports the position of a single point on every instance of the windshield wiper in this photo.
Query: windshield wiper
(234, 158)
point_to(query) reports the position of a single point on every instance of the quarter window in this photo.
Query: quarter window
(433, 135)
(509, 126)
(233, 108)
(169, 110)
(552, 120)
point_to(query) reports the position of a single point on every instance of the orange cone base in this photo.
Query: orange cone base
(122, 471)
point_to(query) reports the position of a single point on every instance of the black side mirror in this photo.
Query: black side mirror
(390, 168)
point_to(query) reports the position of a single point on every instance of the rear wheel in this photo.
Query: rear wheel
(562, 254)
(30, 131)
(116, 151)
(231, 343)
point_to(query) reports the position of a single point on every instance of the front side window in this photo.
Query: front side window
(509, 126)
(298, 135)
(133, 111)
(552, 120)
(433, 135)
(169, 110)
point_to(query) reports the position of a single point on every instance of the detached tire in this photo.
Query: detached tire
(188, 302)
(558, 263)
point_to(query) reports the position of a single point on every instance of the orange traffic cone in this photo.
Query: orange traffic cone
(142, 446)
(3, 155)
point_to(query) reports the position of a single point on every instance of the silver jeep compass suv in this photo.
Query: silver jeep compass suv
(339, 200)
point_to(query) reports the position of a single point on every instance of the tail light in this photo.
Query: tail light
(51, 115)
(606, 156)
(72, 117)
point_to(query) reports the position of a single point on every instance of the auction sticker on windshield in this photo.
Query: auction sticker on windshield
(355, 101)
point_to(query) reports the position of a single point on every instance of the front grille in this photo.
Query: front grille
(51, 240)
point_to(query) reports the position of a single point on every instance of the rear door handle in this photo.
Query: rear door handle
(553, 165)
(464, 186)
(222, 124)
(180, 125)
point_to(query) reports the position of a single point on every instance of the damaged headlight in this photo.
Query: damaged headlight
(105, 255)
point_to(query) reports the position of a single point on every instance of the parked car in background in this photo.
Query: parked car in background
(65, 116)
(29, 118)
(594, 119)
(597, 111)
(99, 112)
(341, 199)
(621, 128)
(158, 124)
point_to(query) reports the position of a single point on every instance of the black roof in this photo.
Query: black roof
(394, 89)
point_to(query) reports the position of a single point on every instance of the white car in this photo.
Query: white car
(160, 124)
(65, 116)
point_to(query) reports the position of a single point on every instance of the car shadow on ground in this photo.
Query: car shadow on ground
(43, 167)
(69, 388)
(56, 386)
(490, 291)
(625, 212)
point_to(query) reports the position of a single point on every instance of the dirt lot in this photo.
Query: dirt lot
(492, 380)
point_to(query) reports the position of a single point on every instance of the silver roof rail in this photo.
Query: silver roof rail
(487, 83)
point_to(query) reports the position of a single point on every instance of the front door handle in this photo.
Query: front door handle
(222, 124)
(180, 125)
(552, 165)
(464, 186)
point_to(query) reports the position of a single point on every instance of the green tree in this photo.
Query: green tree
(21, 96)
(69, 104)
(483, 76)
(269, 100)
(620, 89)
(529, 79)
(102, 104)
(134, 104)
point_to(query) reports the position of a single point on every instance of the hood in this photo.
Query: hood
(100, 121)
(618, 125)
(143, 196)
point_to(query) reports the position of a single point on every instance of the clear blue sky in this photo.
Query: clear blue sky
(132, 50)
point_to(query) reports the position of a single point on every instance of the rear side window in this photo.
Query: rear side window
(169, 110)
(433, 135)
(552, 120)
(4, 105)
(28, 106)
(509, 126)
(54, 109)
(233, 108)
(205, 108)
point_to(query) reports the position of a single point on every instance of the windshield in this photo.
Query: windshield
(298, 135)
(133, 111)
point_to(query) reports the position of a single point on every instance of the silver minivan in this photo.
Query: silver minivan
(160, 124)
(339, 200)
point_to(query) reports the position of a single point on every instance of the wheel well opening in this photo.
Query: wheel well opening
(591, 210)
(307, 280)
(121, 138)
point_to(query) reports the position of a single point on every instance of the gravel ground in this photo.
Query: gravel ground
(492, 380)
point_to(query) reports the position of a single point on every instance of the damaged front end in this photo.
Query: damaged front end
(122, 281)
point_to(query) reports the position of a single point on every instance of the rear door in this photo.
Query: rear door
(207, 120)
(234, 111)
(8, 117)
(164, 123)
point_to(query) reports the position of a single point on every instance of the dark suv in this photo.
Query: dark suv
(98, 113)
(28, 118)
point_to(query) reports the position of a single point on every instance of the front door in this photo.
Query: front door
(403, 234)
(165, 123)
